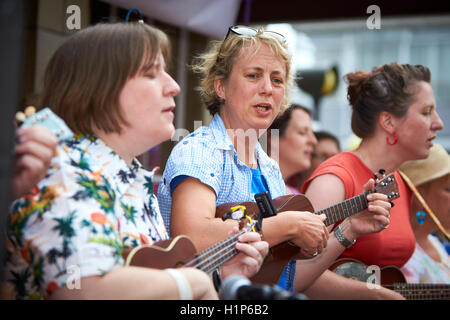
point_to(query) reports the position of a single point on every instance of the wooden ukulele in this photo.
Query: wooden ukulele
(392, 278)
(280, 254)
(180, 251)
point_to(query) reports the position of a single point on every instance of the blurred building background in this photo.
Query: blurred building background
(349, 45)
(321, 35)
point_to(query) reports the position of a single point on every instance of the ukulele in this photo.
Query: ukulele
(181, 252)
(392, 278)
(280, 254)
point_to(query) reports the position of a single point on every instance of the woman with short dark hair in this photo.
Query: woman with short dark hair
(67, 238)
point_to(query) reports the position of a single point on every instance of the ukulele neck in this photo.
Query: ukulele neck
(344, 209)
(422, 291)
(215, 256)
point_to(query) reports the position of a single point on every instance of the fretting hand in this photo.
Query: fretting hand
(374, 219)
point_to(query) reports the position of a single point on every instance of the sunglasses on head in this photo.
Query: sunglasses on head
(250, 32)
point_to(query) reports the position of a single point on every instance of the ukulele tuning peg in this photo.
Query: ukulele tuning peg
(30, 110)
(382, 172)
(393, 195)
(375, 176)
(20, 116)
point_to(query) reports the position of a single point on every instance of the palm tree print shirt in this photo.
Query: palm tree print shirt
(78, 220)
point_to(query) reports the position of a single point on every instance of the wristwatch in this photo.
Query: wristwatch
(342, 239)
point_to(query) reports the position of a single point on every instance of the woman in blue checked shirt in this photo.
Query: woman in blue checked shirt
(66, 237)
(246, 80)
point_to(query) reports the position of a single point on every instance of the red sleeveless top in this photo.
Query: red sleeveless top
(392, 246)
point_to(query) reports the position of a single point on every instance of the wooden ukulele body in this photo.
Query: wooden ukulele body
(392, 278)
(280, 254)
(171, 253)
(354, 269)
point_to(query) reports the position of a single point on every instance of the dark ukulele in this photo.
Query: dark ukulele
(280, 254)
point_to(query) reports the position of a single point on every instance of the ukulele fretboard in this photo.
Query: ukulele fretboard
(344, 209)
(422, 291)
(216, 255)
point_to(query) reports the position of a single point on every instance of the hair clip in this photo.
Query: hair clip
(137, 11)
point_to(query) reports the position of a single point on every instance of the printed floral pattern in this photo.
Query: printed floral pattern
(84, 213)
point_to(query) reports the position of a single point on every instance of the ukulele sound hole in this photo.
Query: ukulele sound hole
(353, 270)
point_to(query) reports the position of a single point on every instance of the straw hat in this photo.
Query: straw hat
(435, 166)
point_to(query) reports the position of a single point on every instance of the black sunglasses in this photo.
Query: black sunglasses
(250, 32)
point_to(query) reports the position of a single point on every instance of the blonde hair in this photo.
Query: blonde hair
(219, 59)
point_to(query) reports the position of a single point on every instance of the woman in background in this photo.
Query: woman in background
(430, 213)
(295, 147)
(293, 150)
(394, 112)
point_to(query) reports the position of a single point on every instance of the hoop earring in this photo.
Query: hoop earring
(395, 139)
(420, 217)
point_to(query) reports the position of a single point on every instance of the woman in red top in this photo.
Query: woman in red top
(394, 113)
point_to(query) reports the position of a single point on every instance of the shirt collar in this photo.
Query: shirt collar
(219, 132)
(111, 163)
(223, 142)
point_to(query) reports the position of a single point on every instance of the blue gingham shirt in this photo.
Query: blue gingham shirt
(208, 154)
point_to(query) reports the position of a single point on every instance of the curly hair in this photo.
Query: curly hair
(389, 88)
(219, 59)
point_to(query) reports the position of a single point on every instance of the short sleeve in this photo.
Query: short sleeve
(339, 172)
(195, 158)
(346, 166)
(66, 230)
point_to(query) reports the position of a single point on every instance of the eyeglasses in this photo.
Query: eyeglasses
(250, 32)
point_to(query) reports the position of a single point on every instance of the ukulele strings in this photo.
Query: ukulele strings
(419, 286)
(209, 259)
(218, 261)
(424, 295)
(413, 290)
(211, 256)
